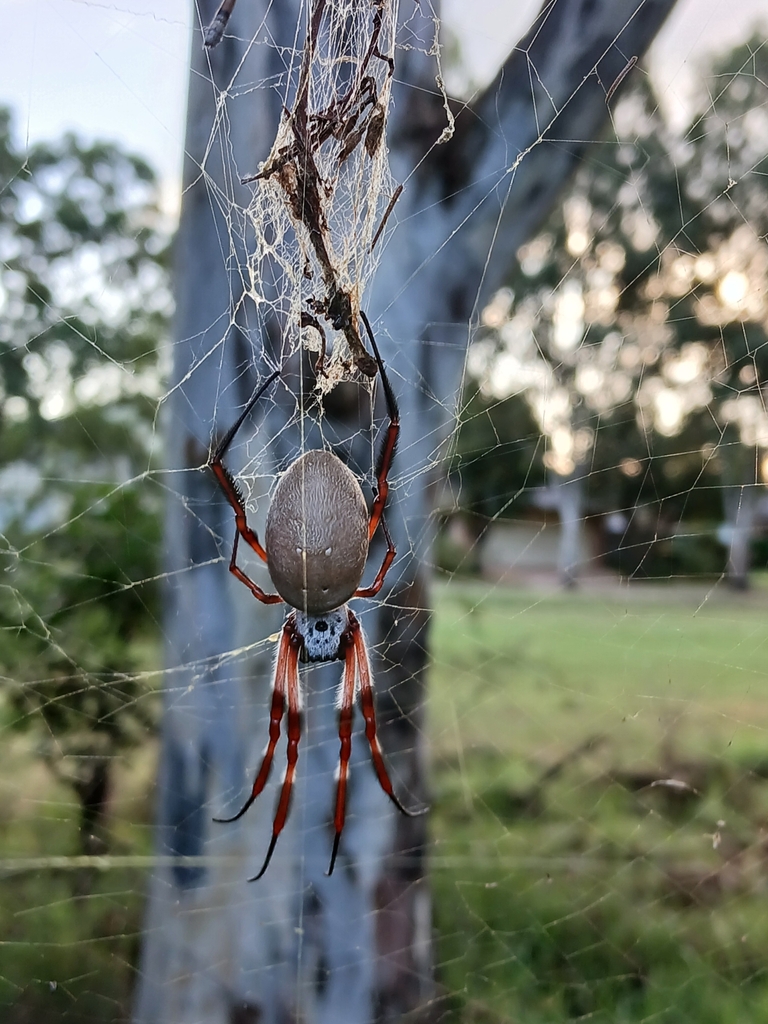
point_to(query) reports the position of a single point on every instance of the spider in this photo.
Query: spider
(317, 537)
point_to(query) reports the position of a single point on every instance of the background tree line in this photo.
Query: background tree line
(631, 337)
(85, 303)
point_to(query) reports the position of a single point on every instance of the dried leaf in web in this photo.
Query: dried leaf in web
(324, 189)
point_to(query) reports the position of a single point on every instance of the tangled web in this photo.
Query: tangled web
(324, 192)
(598, 836)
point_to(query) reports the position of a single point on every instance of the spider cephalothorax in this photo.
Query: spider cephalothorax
(317, 537)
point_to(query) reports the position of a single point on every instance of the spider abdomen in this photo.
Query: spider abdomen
(316, 534)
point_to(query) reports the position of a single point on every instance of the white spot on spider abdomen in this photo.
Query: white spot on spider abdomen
(316, 534)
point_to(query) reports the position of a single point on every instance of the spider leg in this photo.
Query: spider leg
(227, 482)
(389, 557)
(275, 717)
(346, 710)
(294, 735)
(239, 573)
(387, 453)
(369, 714)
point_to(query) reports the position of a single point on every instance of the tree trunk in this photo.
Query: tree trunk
(569, 496)
(740, 510)
(298, 945)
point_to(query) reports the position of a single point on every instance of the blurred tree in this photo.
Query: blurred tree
(722, 265)
(497, 458)
(85, 304)
(636, 319)
(574, 329)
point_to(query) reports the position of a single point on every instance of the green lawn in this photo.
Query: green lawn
(601, 826)
(534, 674)
(569, 884)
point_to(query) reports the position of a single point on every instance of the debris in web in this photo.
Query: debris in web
(323, 196)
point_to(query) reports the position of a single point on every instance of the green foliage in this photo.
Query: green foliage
(72, 959)
(497, 457)
(70, 933)
(85, 296)
(78, 643)
(85, 299)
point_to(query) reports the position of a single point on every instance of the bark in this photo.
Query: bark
(299, 945)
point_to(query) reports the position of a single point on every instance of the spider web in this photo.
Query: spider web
(598, 830)
(322, 191)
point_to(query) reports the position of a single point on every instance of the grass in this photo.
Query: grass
(601, 826)
(532, 674)
(69, 938)
(568, 883)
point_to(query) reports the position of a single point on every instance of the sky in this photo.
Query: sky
(117, 69)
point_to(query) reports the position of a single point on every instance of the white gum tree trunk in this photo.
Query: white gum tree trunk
(569, 497)
(740, 496)
(355, 947)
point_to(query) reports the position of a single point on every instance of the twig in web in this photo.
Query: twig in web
(620, 78)
(215, 31)
(390, 207)
(307, 320)
(356, 118)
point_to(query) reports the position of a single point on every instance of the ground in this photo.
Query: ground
(600, 825)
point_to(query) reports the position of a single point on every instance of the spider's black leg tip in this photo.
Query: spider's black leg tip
(235, 817)
(334, 852)
(267, 859)
(417, 813)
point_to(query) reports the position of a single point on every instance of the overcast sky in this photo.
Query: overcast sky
(117, 68)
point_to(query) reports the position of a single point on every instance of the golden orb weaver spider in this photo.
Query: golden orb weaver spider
(316, 542)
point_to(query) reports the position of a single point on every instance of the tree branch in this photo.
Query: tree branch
(516, 146)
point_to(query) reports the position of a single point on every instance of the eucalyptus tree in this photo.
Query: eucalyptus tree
(705, 295)
(354, 946)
